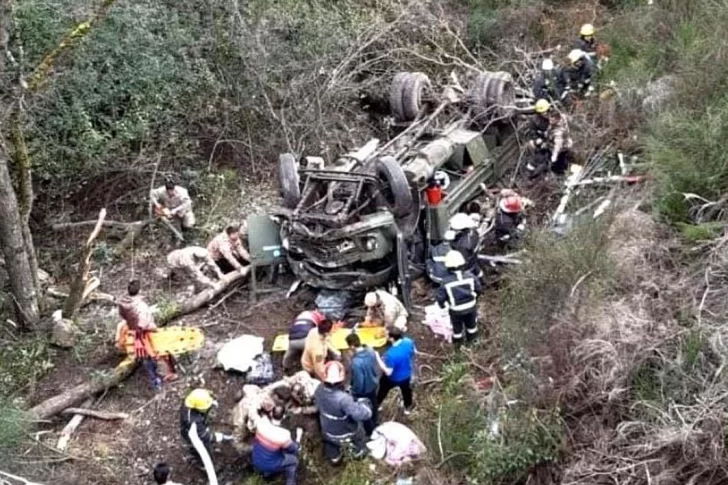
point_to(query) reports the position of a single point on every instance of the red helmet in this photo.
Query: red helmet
(511, 204)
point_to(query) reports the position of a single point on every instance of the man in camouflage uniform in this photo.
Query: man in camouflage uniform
(193, 260)
(173, 202)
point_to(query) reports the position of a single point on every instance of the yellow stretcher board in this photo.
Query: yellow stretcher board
(170, 340)
(374, 337)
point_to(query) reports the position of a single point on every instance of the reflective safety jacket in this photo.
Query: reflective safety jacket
(194, 429)
(579, 78)
(549, 85)
(459, 292)
(436, 269)
(339, 413)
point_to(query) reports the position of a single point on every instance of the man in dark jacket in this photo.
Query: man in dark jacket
(550, 83)
(341, 416)
(579, 72)
(467, 241)
(586, 41)
(195, 430)
(364, 376)
(436, 270)
(459, 293)
(509, 220)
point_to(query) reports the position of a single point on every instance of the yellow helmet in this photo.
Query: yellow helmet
(575, 55)
(542, 106)
(454, 259)
(587, 30)
(200, 399)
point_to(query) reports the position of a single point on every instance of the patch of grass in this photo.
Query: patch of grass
(14, 428)
(556, 268)
(700, 232)
(23, 363)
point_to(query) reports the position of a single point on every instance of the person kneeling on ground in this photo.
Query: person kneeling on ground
(274, 451)
(459, 294)
(227, 250)
(173, 202)
(318, 349)
(385, 309)
(510, 223)
(398, 369)
(341, 416)
(161, 475)
(297, 333)
(193, 260)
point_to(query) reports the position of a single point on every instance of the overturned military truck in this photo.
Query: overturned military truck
(363, 221)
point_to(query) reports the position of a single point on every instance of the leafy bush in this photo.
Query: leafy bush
(14, 428)
(23, 363)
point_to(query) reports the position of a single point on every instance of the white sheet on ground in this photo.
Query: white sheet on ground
(395, 443)
(239, 354)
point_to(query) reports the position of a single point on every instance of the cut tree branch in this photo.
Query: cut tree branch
(80, 284)
(54, 405)
(95, 414)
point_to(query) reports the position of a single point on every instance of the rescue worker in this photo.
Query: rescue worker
(139, 319)
(459, 294)
(549, 140)
(467, 241)
(317, 349)
(398, 368)
(193, 260)
(579, 72)
(297, 333)
(227, 250)
(384, 309)
(550, 83)
(340, 415)
(509, 220)
(173, 202)
(586, 41)
(196, 431)
(436, 269)
(274, 451)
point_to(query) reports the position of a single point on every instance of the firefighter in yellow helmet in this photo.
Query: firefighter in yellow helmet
(195, 430)
(548, 140)
(586, 41)
(579, 72)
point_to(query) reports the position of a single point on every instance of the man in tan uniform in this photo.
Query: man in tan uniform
(385, 309)
(173, 202)
(316, 350)
(227, 250)
(193, 260)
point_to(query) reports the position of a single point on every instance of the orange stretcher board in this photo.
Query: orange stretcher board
(374, 337)
(170, 340)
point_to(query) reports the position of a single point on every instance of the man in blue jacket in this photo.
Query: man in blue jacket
(459, 294)
(398, 368)
(274, 451)
(364, 376)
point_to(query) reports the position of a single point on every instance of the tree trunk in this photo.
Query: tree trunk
(78, 287)
(96, 384)
(17, 263)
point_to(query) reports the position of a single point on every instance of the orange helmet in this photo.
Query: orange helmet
(511, 204)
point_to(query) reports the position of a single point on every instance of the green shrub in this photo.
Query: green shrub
(14, 428)
(537, 291)
(23, 363)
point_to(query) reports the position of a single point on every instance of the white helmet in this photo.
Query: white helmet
(461, 221)
(371, 299)
(454, 259)
(547, 64)
(334, 372)
(450, 235)
(575, 56)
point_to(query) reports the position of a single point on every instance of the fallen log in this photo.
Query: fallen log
(113, 224)
(95, 414)
(99, 383)
(94, 296)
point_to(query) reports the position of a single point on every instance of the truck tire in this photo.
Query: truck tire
(396, 91)
(478, 101)
(397, 193)
(415, 87)
(501, 93)
(289, 180)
